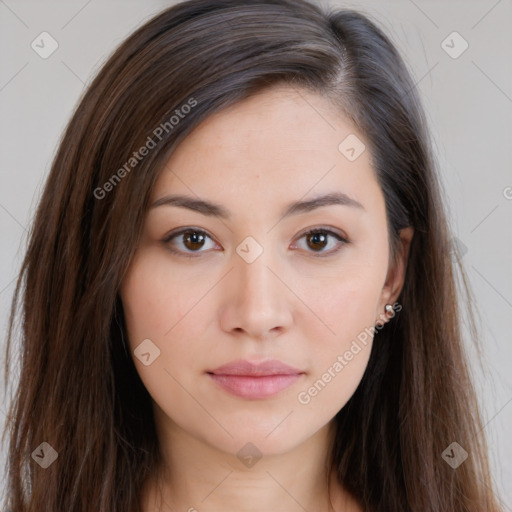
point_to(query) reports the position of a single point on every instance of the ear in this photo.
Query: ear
(396, 271)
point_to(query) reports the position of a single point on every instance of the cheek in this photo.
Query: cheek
(157, 299)
(164, 307)
(343, 305)
(341, 351)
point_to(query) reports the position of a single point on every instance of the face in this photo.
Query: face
(246, 281)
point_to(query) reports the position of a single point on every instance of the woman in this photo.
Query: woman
(239, 290)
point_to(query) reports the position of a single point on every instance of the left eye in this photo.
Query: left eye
(194, 239)
(319, 239)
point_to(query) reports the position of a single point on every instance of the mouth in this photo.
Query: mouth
(255, 381)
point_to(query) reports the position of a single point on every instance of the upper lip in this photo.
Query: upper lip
(243, 367)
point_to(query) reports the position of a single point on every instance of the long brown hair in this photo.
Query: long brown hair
(79, 391)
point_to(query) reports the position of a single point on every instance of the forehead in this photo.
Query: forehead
(273, 146)
(280, 119)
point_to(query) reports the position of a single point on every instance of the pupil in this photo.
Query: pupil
(194, 238)
(321, 236)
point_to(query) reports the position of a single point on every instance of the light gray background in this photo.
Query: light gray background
(468, 102)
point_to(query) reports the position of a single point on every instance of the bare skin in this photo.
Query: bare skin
(288, 303)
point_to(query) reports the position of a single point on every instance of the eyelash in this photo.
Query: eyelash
(195, 254)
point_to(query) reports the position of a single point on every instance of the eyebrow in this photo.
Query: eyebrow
(216, 210)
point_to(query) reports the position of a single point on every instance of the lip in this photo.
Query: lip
(255, 380)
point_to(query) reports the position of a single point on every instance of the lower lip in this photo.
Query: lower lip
(254, 387)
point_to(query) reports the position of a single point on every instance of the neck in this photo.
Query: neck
(197, 477)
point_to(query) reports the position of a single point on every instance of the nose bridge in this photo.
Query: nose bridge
(259, 298)
(253, 274)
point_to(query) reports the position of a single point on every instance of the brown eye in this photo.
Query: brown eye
(193, 240)
(187, 242)
(318, 239)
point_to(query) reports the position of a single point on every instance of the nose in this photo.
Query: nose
(257, 302)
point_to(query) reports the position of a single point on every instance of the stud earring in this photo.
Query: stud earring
(388, 308)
